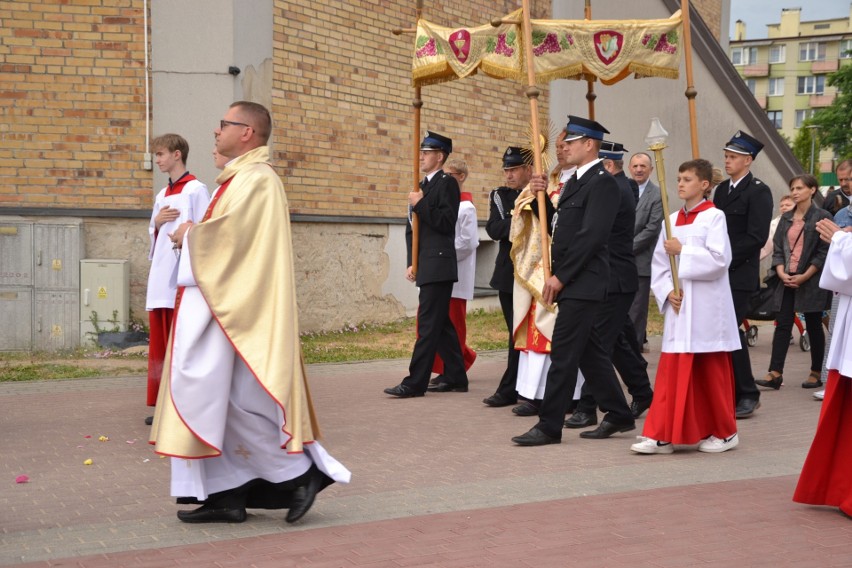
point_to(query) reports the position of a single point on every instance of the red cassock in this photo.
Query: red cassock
(827, 474)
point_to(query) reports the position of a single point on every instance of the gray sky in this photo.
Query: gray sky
(758, 13)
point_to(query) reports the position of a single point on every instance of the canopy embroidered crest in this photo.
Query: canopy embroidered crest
(609, 50)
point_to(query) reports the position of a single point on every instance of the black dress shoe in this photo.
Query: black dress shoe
(497, 401)
(149, 421)
(638, 408)
(581, 419)
(447, 387)
(607, 429)
(188, 501)
(205, 514)
(535, 437)
(746, 407)
(402, 391)
(438, 379)
(303, 496)
(526, 408)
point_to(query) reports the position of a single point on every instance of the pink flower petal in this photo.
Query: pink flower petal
(87, 436)
(22, 479)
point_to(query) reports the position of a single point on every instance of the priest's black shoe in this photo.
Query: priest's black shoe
(497, 401)
(402, 391)
(581, 419)
(746, 407)
(303, 496)
(447, 387)
(607, 429)
(535, 437)
(206, 514)
(638, 407)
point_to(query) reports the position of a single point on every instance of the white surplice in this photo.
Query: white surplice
(706, 322)
(837, 277)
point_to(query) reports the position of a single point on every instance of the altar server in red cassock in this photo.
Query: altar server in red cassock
(694, 392)
(827, 474)
(183, 199)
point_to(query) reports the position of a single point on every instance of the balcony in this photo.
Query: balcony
(756, 70)
(821, 67)
(820, 101)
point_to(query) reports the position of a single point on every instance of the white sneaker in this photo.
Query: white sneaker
(714, 445)
(651, 446)
(819, 395)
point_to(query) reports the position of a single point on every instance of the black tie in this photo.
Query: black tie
(423, 182)
(572, 181)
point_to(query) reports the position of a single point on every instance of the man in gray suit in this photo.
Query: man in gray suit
(649, 222)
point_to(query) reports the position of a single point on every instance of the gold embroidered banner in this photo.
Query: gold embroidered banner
(609, 50)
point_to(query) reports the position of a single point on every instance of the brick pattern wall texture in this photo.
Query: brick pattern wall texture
(72, 119)
(342, 99)
(72, 129)
(711, 13)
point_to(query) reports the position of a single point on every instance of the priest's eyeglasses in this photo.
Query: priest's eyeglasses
(224, 123)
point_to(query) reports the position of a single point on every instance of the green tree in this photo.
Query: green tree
(802, 146)
(835, 120)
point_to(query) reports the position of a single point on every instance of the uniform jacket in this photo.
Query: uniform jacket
(748, 212)
(437, 211)
(501, 202)
(809, 296)
(649, 222)
(623, 277)
(585, 217)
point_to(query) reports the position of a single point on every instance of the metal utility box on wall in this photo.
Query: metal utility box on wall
(104, 296)
(39, 283)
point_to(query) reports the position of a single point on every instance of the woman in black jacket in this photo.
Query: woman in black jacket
(798, 258)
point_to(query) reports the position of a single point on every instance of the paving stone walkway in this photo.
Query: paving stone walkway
(436, 482)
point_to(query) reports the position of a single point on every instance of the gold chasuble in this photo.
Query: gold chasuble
(242, 260)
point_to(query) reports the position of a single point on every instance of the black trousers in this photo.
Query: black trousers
(577, 345)
(743, 377)
(437, 335)
(781, 340)
(618, 338)
(263, 494)
(509, 381)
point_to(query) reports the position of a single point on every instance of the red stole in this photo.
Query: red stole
(465, 196)
(685, 217)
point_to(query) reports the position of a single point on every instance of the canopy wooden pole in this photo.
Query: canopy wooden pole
(532, 93)
(690, 92)
(590, 82)
(416, 105)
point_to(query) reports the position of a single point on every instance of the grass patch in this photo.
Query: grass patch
(46, 371)
(486, 331)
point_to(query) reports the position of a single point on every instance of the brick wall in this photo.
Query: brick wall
(711, 13)
(72, 128)
(342, 103)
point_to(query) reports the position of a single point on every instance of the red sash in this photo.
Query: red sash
(177, 187)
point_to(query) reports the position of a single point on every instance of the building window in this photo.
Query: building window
(846, 49)
(743, 55)
(751, 85)
(777, 54)
(814, 85)
(812, 51)
(802, 116)
(775, 117)
(776, 87)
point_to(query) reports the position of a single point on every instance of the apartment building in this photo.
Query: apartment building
(787, 71)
